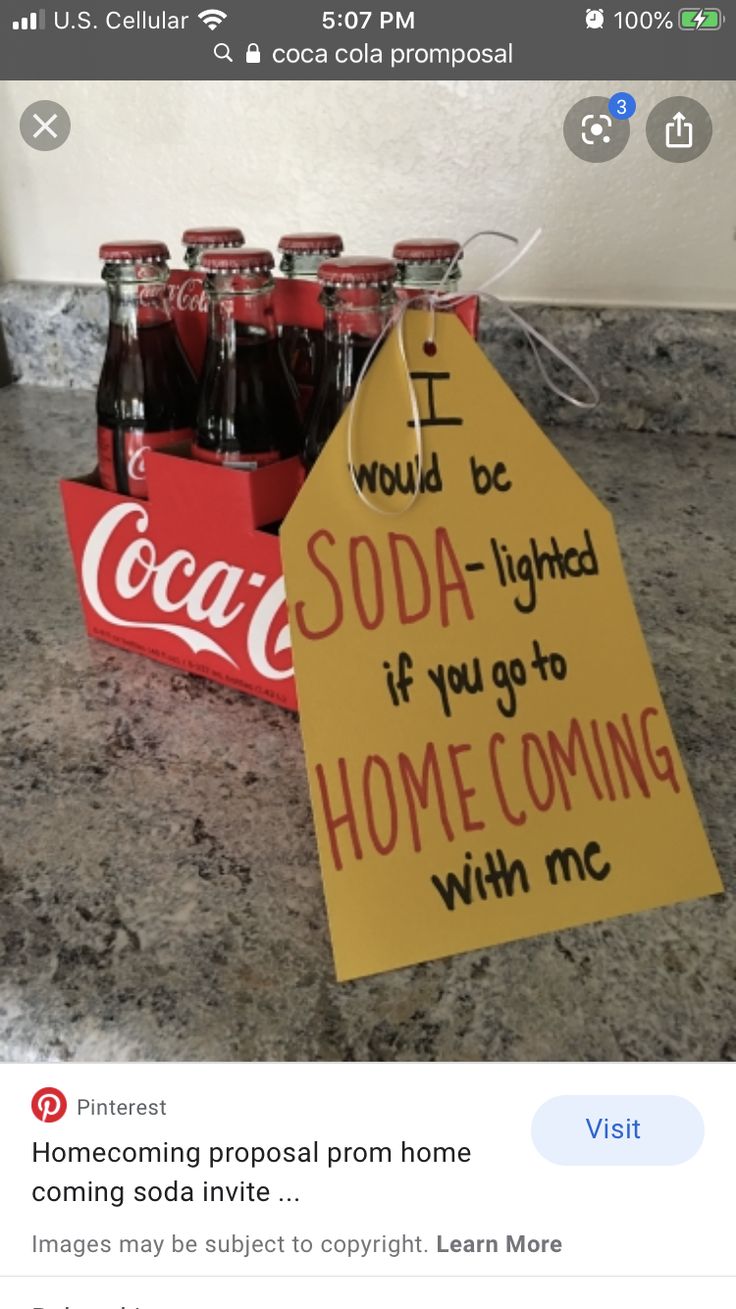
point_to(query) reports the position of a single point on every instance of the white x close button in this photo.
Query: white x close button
(45, 125)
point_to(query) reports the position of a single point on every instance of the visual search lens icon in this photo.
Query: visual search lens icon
(593, 132)
(49, 1104)
(595, 127)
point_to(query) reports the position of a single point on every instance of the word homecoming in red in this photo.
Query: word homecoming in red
(381, 805)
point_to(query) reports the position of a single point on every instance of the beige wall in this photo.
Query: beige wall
(376, 160)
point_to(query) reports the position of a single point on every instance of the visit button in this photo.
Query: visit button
(618, 1129)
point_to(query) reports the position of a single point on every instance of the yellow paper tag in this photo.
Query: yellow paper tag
(489, 756)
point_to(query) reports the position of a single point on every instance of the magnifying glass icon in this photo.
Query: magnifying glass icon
(222, 51)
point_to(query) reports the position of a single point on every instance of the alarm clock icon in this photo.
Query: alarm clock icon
(594, 18)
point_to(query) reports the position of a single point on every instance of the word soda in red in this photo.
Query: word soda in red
(358, 298)
(427, 264)
(146, 398)
(248, 414)
(303, 347)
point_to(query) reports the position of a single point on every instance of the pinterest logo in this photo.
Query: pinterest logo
(49, 1105)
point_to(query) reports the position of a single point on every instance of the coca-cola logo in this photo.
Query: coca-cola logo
(188, 296)
(124, 578)
(137, 464)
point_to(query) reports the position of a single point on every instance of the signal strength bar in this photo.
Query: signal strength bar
(33, 22)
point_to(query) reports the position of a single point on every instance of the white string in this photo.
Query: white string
(439, 299)
(503, 236)
(533, 335)
(433, 296)
(397, 318)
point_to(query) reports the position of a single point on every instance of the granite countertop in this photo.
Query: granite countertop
(160, 891)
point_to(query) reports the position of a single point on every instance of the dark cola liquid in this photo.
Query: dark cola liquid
(343, 363)
(146, 387)
(247, 408)
(146, 380)
(303, 349)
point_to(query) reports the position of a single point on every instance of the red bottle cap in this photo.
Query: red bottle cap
(352, 271)
(214, 236)
(130, 251)
(311, 243)
(249, 259)
(429, 249)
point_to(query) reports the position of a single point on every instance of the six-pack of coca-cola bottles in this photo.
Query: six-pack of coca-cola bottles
(265, 393)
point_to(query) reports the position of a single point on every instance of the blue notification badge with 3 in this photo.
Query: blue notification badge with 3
(622, 105)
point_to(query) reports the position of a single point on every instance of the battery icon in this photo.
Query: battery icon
(696, 20)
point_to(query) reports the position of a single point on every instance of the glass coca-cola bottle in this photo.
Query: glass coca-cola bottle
(186, 288)
(358, 298)
(248, 413)
(423, 264)
(301, 255)
(198, 239)
(146, 398)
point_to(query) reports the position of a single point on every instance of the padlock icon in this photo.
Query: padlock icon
(253, 53)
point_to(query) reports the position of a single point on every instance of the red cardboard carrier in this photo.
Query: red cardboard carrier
(189, 576)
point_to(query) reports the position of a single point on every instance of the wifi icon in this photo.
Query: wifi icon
(212, 17)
